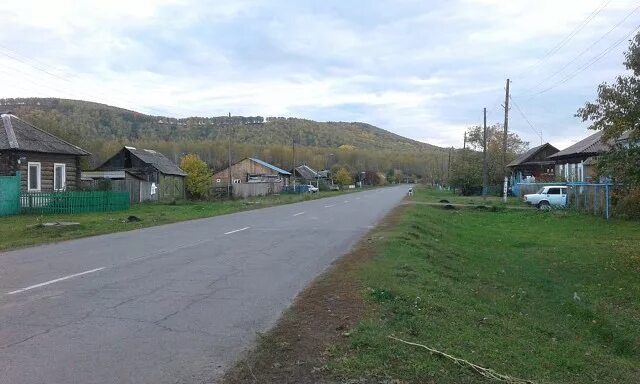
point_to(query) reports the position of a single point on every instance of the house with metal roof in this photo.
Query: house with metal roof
(305, 174)
(149, 174)
(252, 177)
(577, 162)
(46, 162)
(534, 165)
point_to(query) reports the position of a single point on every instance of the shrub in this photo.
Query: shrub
(628, 204)
(198, 179)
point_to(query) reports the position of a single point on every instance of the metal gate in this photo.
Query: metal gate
(10, 195)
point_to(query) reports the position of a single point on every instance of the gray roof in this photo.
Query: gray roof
(272, 167)
(592, 145)
(157, 160)
(306, 172)
(529, 154)
(19, 135)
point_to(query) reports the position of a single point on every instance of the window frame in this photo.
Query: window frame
(64, 176)
(39, 176)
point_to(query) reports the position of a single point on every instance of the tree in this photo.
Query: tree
(343, 177)
(198, 175)
(616, 113)
(466, 167)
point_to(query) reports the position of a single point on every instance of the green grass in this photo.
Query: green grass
(434, 196)
(22, 230)
(498, 289)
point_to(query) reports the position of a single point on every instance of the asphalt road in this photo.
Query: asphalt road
(175, 303)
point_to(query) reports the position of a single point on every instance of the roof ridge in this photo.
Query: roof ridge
(47, 133)
(11, 135)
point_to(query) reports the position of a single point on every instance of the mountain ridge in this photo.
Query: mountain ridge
(106, 122)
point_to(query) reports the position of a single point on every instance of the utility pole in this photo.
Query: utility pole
(293, 141)
(449, 167)
(504, 143)
(229, 169)
(506, 128)
(485, 175)
(464, 143)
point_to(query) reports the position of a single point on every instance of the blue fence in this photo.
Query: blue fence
(590, 198)
(299, 188)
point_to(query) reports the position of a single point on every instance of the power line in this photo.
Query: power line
(42, 67)
(568, 38)
(575, 58)
(593, 60)
(576, 30)
(538, 133)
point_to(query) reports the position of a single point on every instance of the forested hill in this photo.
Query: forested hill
(93, 121)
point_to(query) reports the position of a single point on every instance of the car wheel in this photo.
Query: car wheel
(544, 205)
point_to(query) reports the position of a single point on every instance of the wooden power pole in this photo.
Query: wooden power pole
(464, 143)
(504, 143)
(449, 167)
(506, 129)
(485, 175)
(229, 153)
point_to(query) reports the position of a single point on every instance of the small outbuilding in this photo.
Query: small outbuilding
(147, 174)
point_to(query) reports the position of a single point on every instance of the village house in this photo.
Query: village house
(305, 174)
(252, 177)
(576, 163)
(145, 173)
(46, 163)
(534, 165)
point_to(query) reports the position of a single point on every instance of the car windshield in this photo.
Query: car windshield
(540, 190)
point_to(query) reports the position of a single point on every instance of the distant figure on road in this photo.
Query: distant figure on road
(410, 191)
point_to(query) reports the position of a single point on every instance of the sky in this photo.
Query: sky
(421, 69)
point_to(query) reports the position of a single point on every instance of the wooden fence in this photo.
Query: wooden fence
(73, 202)
(255, 189)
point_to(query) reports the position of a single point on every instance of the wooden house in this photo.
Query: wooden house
(46, 162)
(305, 174)
(148, 174)
(577, 162)
(252, 177)
(534, 165)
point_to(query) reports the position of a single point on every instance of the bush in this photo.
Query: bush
(627, 204)
(199, 177)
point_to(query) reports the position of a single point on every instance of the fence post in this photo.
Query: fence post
(606, 202)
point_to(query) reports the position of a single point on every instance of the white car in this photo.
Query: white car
(312, 189)
(548, 196)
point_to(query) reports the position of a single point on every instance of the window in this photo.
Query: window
(236, 181)
(59, 177)
(554, 191)
(33, 176)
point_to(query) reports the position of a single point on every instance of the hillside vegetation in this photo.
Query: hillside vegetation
(102, 129)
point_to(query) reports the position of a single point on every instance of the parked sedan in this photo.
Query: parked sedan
(548, 196)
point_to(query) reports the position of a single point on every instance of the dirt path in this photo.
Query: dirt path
(297, 349)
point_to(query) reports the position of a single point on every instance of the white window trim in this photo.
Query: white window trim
(64, 176)
(29, 165)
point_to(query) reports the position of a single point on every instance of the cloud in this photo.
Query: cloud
(421, 69)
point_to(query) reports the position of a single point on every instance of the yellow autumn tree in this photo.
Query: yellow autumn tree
(198, 176)
(343, 177)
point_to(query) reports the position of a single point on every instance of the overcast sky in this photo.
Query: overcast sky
(422, 69)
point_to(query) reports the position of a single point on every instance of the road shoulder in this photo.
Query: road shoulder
(298, 348)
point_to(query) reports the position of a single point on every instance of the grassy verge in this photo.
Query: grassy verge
(434, 196)
(548, 296)
(22, 230)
